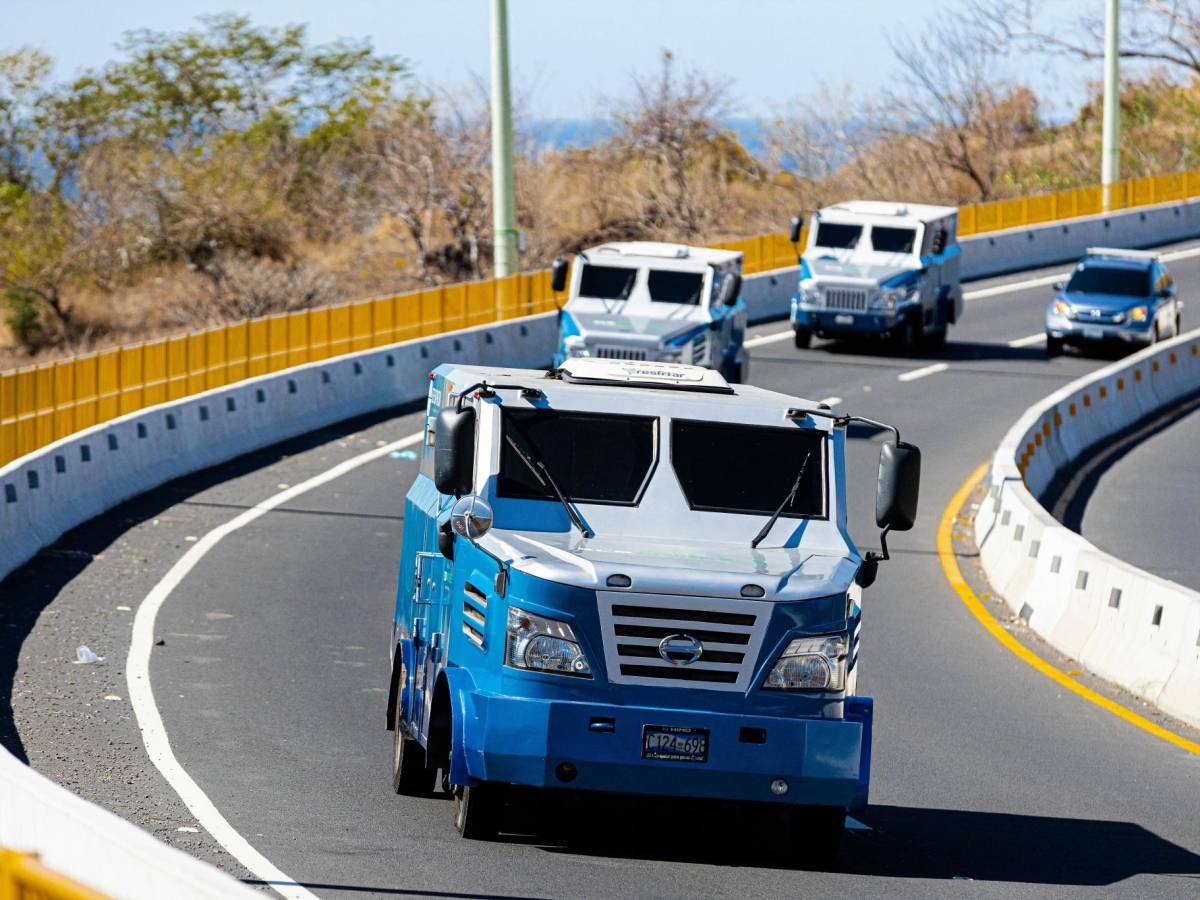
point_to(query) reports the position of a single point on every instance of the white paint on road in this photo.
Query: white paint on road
(1029, 341)
(141, 694)
(923, 371)
(768, 339)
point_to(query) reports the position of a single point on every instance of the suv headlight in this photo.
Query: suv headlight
(1062, 308)
(575, 345)
(1139, 313)
(811, 664)
(539, 644)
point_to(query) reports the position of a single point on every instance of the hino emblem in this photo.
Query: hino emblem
(680, 649)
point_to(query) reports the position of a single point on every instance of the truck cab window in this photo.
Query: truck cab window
(893, 240)
(838, 237)
(748, 469)
(675, 287)
(607, 282)
(593, 457)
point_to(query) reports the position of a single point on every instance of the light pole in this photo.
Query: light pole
(504, 255)
(1110, 153)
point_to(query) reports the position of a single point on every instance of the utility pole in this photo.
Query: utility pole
(1110, 154)
(504, 256)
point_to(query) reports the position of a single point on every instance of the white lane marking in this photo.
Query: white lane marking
(923, 371)
(831, 401)
(1181, 254)
(1029, 341)
(141, 694)
(768, 339)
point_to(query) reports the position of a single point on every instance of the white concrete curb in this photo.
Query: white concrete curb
(1128, 626)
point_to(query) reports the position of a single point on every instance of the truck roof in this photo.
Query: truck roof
(891, 211)
(603, 377)
(662, 250)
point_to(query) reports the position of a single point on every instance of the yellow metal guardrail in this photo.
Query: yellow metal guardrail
(23, 877)
(41, 404)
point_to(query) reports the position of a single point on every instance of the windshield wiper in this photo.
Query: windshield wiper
(538, 467)
(758, 538)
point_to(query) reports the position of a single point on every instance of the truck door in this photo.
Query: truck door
(429, 630)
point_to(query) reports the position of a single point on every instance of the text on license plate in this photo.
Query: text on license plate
(675, 742)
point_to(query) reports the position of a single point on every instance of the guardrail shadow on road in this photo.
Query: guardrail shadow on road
(28, 591)
(905, 842)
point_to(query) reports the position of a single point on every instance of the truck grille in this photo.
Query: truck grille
(729, 631)
(620, 353)
(846, 298)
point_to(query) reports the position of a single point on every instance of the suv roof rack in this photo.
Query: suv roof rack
(1122, 253)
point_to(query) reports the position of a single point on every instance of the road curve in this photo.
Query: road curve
(272, 673)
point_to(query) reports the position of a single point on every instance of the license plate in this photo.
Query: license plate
(844, 320)
(1094, 334)
(673, 742)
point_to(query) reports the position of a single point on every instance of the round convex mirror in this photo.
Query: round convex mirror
(471, 517)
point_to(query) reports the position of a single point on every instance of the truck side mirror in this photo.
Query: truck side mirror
(796, 227)
(731, 289)
(454, 451)
(898, 487)
(558, 275)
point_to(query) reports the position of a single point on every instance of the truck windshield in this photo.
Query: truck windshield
(748, 468)
(838, 237)
(1110, 280)
(675, 287)
(607, 282)
(593, 457)
(893, 240)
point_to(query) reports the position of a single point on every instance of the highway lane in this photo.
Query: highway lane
(1140, 503)
(272, 673)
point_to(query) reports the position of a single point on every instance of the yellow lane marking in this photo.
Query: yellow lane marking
(945, 551)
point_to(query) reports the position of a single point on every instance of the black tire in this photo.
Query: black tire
(936, 340)
(1178, 324)
(1154, 336)
(816, 834)
(733, 373)
(1054, 347)
(908, 338)
(411, 776)
(477, 811)
(802, 337)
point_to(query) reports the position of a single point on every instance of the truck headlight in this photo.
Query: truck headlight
(543, 645)
(809, 292)
(811, 664)
(1139, 313)
(670, 354)
(575, 345)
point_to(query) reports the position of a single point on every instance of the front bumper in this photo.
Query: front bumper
(835, 322)
(1073, 332)
(522, 741)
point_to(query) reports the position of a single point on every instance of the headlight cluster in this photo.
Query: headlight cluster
(1139, 313)
(809, 292)
(1063, 308)
(811, 664)
(575, 345)
(890, 298)
(540, 644)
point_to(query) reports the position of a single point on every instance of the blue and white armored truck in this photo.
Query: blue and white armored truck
(635, 578)
(879, 270)
(641, 300)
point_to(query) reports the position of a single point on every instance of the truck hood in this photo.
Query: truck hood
(649, 330)
(828, 269)
(694, 568)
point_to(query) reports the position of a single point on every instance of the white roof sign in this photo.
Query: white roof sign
(644, 374)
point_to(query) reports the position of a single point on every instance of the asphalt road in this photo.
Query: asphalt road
(989, 780)
(1140, 504)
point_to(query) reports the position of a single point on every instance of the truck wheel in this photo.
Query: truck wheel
(410, 774)
(733, 373)
(816, 833)
(803, 337)
(1054, 347)
(909, 337)
(477, 811)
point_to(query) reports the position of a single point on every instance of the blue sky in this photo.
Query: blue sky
(566, 54)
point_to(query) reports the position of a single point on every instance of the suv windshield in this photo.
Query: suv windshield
(607, 282)
(893, 240)
(593, 457)
(748, 468)
(1110, 280)
(675, 287)
(839, 237)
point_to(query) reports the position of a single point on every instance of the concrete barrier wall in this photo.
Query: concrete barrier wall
(1133, 628)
